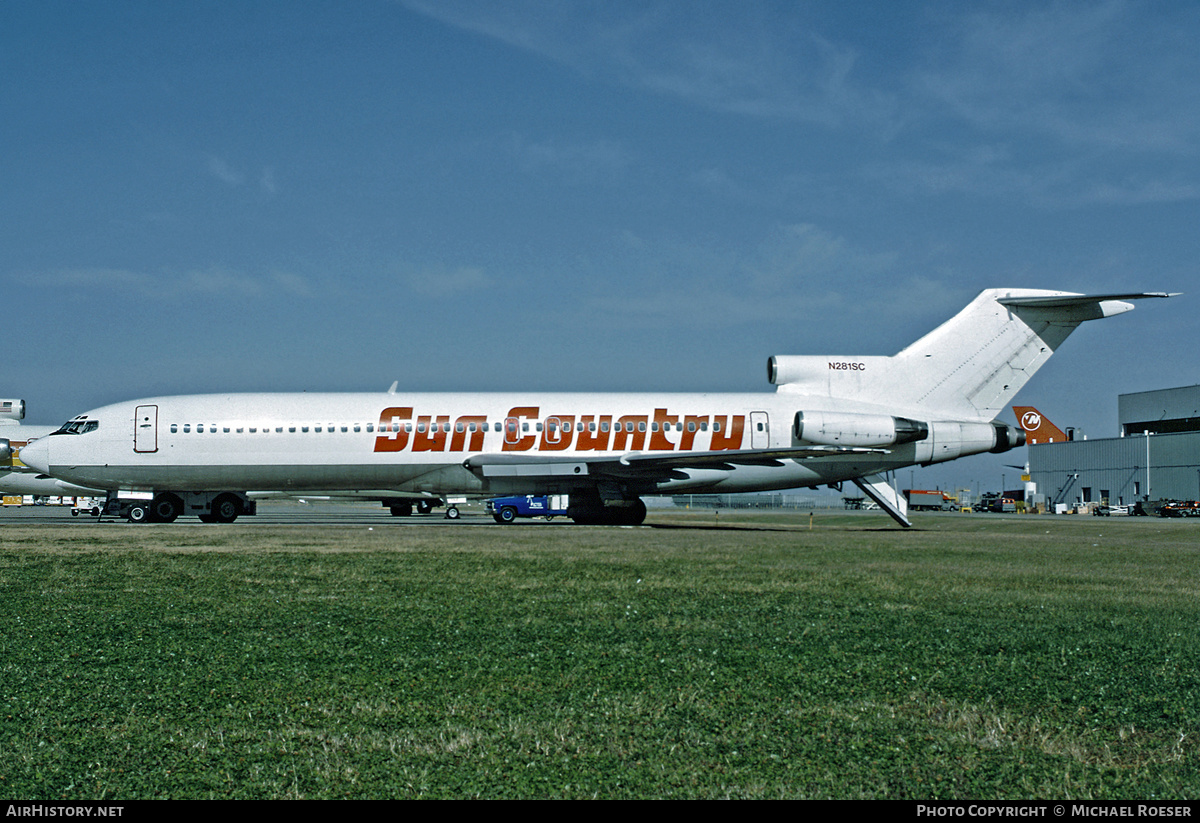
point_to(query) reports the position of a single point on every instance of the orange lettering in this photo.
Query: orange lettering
(593, 441)
(463, 426)
(433, 438)
(390, 421)
(513, 424)
(658, 439)
(558, 432)
(625, 427)
(691, 425)
(730, 437)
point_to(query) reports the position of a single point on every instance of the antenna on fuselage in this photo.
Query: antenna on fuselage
(392, 390)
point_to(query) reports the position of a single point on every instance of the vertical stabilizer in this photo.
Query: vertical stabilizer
(971, 366)
(1037, 426)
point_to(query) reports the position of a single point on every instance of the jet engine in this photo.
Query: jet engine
(950, 439)
(825, 428)
(12, 409)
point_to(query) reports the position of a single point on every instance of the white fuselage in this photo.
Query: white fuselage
(419, 442)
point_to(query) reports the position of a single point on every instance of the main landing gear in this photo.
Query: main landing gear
(166, 507)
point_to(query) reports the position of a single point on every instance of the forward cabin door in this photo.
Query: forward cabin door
(145, 429)
(760, 434)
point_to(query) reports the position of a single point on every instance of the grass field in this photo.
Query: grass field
(971, 657)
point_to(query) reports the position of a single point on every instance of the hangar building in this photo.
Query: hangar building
(1157, 456)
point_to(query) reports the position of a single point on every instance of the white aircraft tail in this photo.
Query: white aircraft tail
(969, 367)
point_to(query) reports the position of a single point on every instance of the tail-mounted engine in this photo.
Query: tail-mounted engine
(825, 428)
(933, 442)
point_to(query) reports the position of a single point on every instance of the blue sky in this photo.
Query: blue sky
(460, 195)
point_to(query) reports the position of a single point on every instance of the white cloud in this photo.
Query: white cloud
(578, 161)
(438, 281)
(800, 271)
(742, 58)
(1106, 76)
(168, 286)
(224, 172)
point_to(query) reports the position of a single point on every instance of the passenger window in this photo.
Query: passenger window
(174, 428)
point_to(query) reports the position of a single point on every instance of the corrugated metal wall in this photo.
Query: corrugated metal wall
(1116, 469)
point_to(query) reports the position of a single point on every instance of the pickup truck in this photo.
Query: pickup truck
(505, 510)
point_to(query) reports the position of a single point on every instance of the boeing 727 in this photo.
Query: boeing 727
(831, 419)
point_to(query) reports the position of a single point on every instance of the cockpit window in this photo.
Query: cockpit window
(78, 427)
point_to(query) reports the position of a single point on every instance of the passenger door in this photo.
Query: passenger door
(760, 434)
(145, 429)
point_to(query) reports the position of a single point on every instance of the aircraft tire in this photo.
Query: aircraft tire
(636, 514)
(401, 509)
(165, 508)
(225, 509)
(424, 507)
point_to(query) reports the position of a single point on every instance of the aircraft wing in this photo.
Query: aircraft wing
(645, 465)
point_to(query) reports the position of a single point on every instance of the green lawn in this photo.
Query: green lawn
(971, 657)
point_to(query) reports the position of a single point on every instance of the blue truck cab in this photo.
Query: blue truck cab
(508, 509)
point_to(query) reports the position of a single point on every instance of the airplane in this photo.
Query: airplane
(15, 477)
(831, 419)
(1037, 427)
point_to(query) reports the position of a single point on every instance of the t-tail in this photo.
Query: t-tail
(968, 368)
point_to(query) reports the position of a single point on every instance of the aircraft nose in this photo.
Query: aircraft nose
(36, 455)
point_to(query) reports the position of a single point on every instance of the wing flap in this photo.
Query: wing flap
(645, 464)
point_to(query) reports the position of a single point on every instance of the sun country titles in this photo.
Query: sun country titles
(401, 430)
